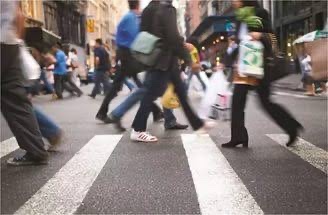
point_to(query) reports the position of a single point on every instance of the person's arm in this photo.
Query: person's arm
(96, 58)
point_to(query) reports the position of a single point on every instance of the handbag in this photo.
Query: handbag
(31, 69)
(250, 62)
(276, 68)
(170, 99)
(146, 48)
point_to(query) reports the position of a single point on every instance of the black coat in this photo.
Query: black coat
(160, 19)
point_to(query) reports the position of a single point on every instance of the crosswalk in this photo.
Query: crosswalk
(218, 186)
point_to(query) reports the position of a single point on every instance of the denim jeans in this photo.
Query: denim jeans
(48, 127)
(100, 77)
(156, 83)
(129, 84)
(169, 117)
(130, 101)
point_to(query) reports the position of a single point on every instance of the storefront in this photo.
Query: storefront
(296, 18)
(212, 35)
(40, 37)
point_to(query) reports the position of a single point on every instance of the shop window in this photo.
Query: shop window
(319, 21)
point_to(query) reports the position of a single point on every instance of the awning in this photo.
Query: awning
(214, 25)
(41, 36)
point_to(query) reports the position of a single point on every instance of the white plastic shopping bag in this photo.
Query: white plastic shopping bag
(250, 62)
(217, 85)
(31, 69)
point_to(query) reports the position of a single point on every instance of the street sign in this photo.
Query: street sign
(90, 25)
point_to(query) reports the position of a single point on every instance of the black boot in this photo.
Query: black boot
(232, 144)
(293, 135)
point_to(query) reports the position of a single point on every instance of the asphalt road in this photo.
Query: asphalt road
(182, 174)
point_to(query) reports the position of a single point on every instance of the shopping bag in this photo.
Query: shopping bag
(31, 69)
(170, 99)
(217, 85)
(250, 62)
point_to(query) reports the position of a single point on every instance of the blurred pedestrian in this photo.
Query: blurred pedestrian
(303, 61)
(166, 68)
(257, 25)
(72, 63)
(127, 30)
(60, 71)
(195, 68)
(15, 106)
(102, 66)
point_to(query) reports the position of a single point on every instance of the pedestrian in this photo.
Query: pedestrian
(303, 61)
(195, 68)
(166, 69)
(102, 66)
(15, 106)
(60, 71)
(242, 85)
(127, 30)
(72, 63)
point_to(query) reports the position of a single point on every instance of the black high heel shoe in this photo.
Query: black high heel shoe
(293, 135)
(234, 144)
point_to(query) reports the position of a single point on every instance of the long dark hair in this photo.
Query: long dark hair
(251, 3)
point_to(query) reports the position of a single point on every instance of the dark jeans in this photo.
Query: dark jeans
(61, 83)
(156, 84)
(129, 68)
(101, 77)
(279, 115)
(16, 107)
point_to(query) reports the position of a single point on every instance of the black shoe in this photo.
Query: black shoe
(117, 122)
(105, 119)
(234, 144)
(177, 126)
(293, 136)
(92, 96)
(26, 160)
(158, 117)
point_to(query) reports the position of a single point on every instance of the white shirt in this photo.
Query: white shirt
(72, 60)
(7, 18)
(306, 63)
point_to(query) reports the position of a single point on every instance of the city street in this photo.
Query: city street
(98, 170)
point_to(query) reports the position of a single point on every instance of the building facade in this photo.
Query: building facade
(295, 18)
(192, 16)
(181, 6)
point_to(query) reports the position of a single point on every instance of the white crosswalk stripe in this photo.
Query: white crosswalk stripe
(218, 187)
(8, 146)
(310, 153)
(64, 192)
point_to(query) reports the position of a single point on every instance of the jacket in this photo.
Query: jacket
(159, 18)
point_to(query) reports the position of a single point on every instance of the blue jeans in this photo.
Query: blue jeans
(133, 99)
(48, 127)
(100, 77)
(129, 84)
(47, 85)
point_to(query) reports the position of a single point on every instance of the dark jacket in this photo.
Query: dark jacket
(159, 18)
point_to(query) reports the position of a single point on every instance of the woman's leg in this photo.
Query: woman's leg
(238, 130)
